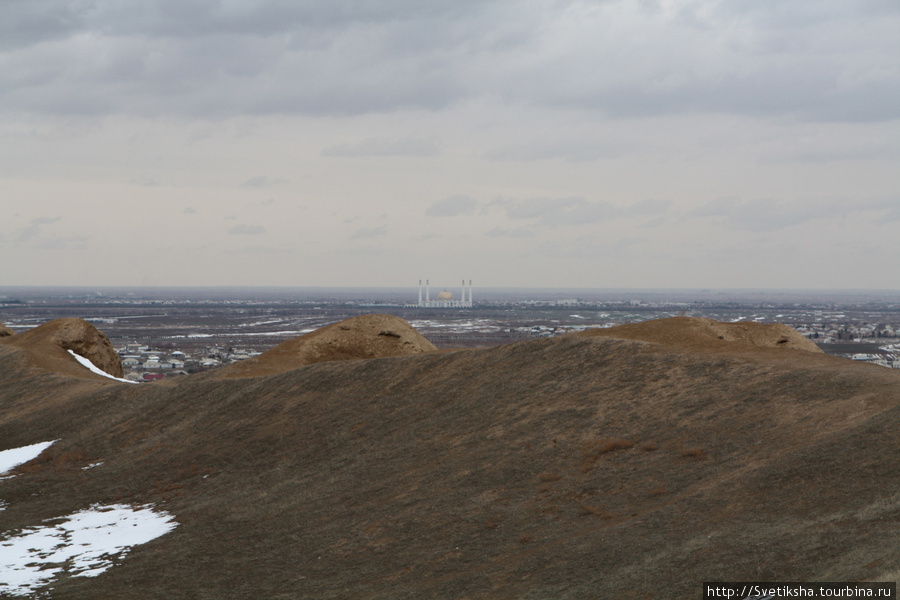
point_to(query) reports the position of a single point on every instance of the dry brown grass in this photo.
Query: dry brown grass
(692, 452)
(549, 477)
(467, 479)
(593, 510)
(591, 451)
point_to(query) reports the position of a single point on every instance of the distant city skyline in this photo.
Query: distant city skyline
(659, 144)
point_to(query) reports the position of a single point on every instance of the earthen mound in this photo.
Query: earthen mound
(5, 331)
(49, 342)
(366, 336)
(702, 333)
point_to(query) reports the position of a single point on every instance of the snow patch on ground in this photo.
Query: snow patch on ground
(86, 363)
(83, 544)
(260, 323)
(456, 326)
(17, 456)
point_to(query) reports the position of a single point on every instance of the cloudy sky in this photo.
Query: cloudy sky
(611, 143)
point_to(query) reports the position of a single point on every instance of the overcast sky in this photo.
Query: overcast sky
(639, 143)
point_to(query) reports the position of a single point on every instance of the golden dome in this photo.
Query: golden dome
(445, 295)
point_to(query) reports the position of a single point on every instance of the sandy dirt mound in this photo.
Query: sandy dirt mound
(5, 331)
(48, 345)
(366, 336)
(701, 333)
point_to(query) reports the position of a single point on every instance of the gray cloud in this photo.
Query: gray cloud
(366, 233)
(764, 214)
(261, 250)
(825, 61)
(654, 222)
(33, 230)
(215, 58)
(365, 251)
(27, 234)
(243, 229)
(518, 232)
(572, 150)
(77, 242)
(27, 22)
(893, 214)
(452, 206)
(577, 210)
(590, 248)
(384, 147)
(648, 206)
(769, 214)
(773, 61)
(584, 107)
(261, 181)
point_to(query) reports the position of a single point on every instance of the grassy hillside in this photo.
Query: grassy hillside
(573, 467)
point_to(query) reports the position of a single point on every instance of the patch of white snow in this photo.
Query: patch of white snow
(85, 544)
(86, 363)
(17, 456)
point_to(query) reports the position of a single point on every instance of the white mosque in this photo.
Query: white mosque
(445, 299)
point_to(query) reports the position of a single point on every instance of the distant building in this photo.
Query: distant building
(445, 298)
(131, 362)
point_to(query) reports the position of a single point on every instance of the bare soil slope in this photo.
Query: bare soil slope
(48, 344)
(366, 336)
(699, 333)
(572, 467)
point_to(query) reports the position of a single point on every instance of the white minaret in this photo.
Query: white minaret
(420, 292)
(427, 294)
(463, 297)
(470, 293)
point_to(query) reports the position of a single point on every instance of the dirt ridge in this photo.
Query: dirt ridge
(584, 466)
(48, 343)
(356, 338)
(700, 333)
